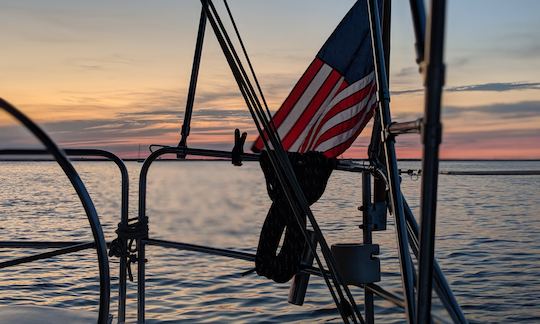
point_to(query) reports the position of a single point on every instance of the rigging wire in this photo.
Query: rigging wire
(248, 97)
(279, 160)
(250, 67)
(280, 154)
(256, 114)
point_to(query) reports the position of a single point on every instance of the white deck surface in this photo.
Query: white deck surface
(44, 315)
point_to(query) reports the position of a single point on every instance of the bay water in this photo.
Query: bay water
(488, 241)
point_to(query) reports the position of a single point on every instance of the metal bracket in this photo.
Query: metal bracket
(358, 263)
(238, 149)
(409, 127)
(377, 215)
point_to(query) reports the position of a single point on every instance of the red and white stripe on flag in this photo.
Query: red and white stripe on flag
(323, 112)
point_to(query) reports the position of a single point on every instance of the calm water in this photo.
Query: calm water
(488, 241)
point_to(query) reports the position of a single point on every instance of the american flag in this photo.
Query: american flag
(335, 98)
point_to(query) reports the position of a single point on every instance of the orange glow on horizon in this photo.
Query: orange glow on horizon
(115, 84)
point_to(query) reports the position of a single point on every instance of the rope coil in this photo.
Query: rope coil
(312, 170)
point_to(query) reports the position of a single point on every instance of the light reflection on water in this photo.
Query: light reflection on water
(487, 240)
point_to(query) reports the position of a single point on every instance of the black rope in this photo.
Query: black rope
(122, 245)
(153, 146)
(312, 170)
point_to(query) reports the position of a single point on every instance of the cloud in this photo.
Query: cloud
(405, 116)
(524, 44)
(101, 63)
(406, 91)
(458, 62)
(42, 22)
(491, 135)
(126, 129)
(199, 115)
(526, 51)
(14, 136)
(103, 129)
(523, 109)
(156, 117)
(172, 113)
(489, 87)
(407, 71)
(497, 87)
(414, 70)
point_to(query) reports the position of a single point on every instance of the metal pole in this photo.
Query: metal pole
(386, 34)
(46, 255)
(367, 239)
(141, 242)
(379, 185)
(86, 201)
(250, 257)
(410, 127)
(300, 281)
(193, 81)
(431, 138)
(124, 213)
(38, 244)
(419, 23)
(383, 96)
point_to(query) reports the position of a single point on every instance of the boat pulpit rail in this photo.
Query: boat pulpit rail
(145, 240)
(99, 239)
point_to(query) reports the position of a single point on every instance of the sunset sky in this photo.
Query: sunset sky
(114, 74)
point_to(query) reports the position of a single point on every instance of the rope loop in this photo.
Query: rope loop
(312, 170)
